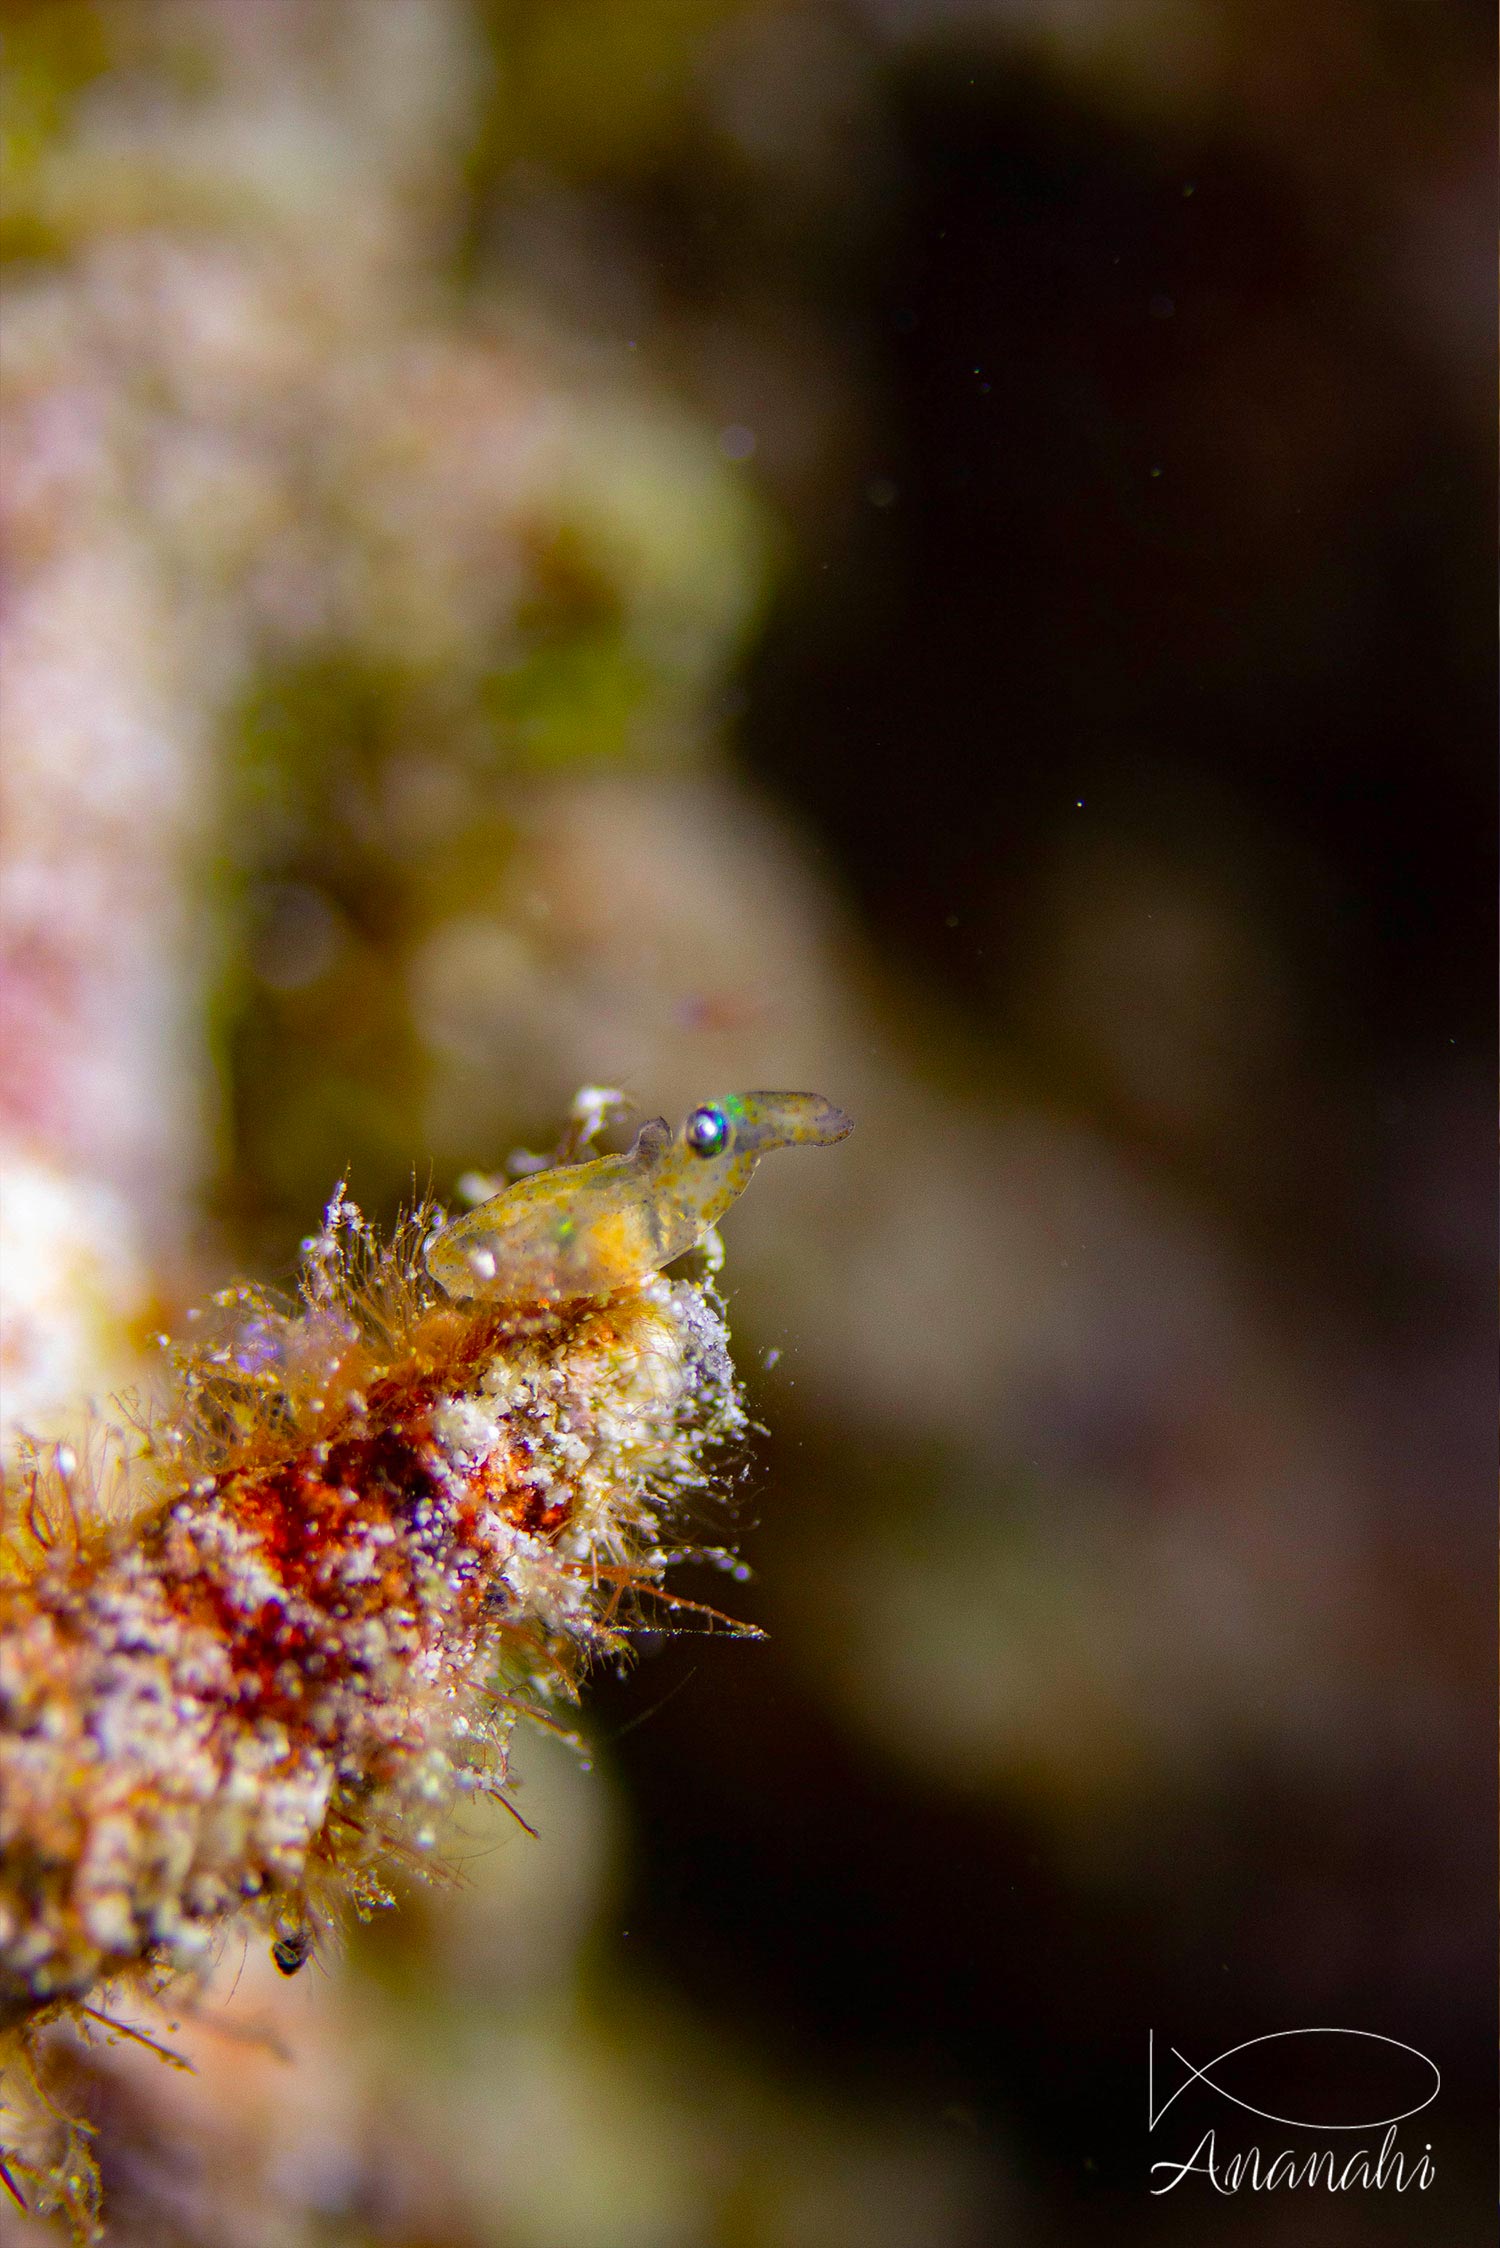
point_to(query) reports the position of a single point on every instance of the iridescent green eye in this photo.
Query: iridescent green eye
(706, 1131)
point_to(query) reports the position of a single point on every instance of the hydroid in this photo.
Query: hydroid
(371, 1531)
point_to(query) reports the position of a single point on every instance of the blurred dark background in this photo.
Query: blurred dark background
(940, 552)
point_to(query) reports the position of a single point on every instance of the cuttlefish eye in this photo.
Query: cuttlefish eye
(706, 1131)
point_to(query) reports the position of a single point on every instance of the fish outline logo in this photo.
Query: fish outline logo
(1203, 2075)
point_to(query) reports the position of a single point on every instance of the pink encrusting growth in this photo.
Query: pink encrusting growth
(378, 1528)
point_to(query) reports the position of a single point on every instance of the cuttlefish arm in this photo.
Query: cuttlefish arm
(588, 1229)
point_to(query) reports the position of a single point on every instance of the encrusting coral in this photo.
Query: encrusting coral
(373, 1530)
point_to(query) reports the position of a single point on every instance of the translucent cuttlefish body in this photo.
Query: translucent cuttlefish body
(587, 1229)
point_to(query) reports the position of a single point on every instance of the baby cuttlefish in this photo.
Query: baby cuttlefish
(587, 1229)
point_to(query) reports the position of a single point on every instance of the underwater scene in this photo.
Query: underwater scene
(746, 1230)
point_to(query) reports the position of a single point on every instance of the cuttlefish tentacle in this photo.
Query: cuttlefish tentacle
(590, 1228)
